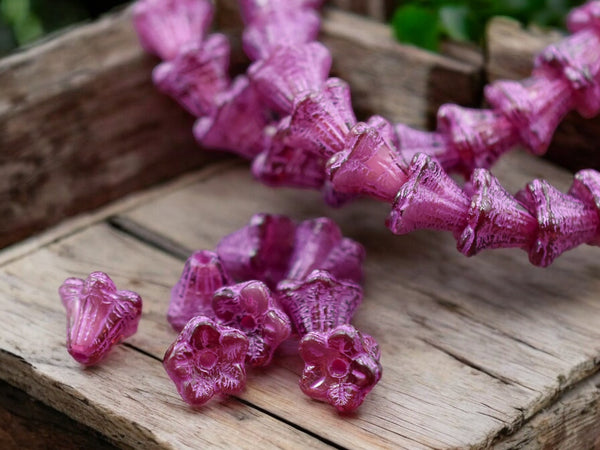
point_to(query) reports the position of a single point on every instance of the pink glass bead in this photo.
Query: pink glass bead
(385, 130)
(367, 165)
(428, 199)
(479, 136)
(196, 75)
(495, 219)
(319, 245)
(238, 123)
(250, 307)
(286, 164)
(207, 359)
(434, 144)
(320, 121)
(586, 187)
(564, 222)
(534, 106)
(202, 275)
(289, 72)
(319, 302)
(577, 60)
(251, 9)
(164, 27)
(334, 198)
(285, 27)
(341, 366)
(98, 316)
(260, 250)
(586, 16)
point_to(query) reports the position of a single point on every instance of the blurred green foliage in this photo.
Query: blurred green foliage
(23, 21)
(425, 23)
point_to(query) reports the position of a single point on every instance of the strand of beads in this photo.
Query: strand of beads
(317, 143)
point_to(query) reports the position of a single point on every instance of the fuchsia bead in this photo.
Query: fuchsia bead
(321, 120)
(260, 250)
(319, 244)
(98, 316)
(207, 359)
(283, 163)
(576, 59)
(478, 136)
(196, 75)
(239, 109)
(341, 364)
(286, 26)
(494, 219)
(586, 16)
(535, 106)
(428, 199)
(367, 165)
(202, 275)
(289, 72)
(165, 27)
(251, 308)
(564, 222)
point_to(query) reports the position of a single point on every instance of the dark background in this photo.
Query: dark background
(23, 21)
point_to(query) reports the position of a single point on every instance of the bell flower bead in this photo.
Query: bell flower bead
(98, 316)
(251, 308)
(205, 360)
(203, 273)
(164, 27)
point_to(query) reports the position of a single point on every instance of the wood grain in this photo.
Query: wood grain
(81, 124)
(481, 344)
(510, 53)
(572, 422)
(129, 398)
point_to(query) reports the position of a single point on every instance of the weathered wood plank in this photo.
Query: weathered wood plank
(451, 328)
(510, 53)
(395, 414)
(380, 10)
(28, 423)
(81, 124)
(129, 398)
(573, 422)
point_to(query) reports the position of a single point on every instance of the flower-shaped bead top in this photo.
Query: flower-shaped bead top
(98, 316)
(207, 359)
(251, 308)
(341, 366)
(202, 275)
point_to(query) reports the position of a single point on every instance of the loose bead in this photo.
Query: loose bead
(98, 316)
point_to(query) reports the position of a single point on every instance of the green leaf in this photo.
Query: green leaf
(417, 25)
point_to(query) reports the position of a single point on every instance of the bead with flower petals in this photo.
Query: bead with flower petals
(341, 366)
(251, 308)
(207, 359)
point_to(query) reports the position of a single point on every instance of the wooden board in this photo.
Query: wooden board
(473, 349)
(510, 53)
